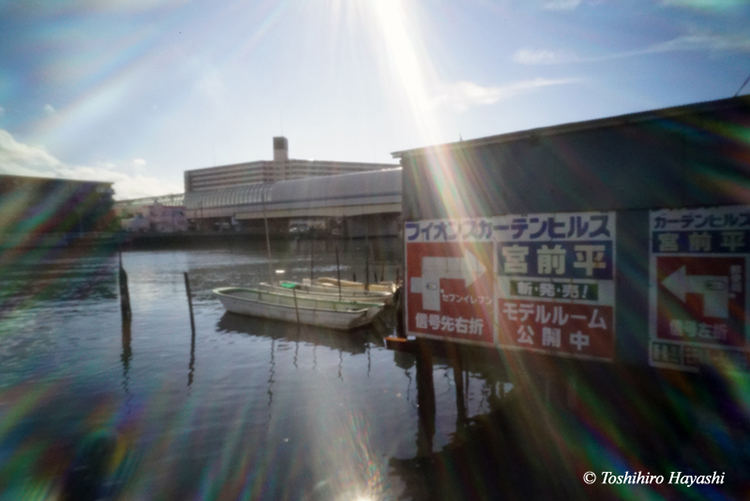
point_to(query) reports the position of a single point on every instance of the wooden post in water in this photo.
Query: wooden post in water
(191, 364)
(296, 309)
(338, 271)
(425, 401)
(127, 355)
(124, 294)
(190, 302)
(458, 377)
(398, 298)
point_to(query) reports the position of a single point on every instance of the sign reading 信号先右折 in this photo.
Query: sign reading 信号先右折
(698, 286)
(540, 282)
(449, 279)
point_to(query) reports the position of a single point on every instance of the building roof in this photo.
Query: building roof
(631, 118)
(357, 188)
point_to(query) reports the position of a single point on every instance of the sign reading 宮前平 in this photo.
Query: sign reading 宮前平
(698, 287)
(555, 283)
(541, 282)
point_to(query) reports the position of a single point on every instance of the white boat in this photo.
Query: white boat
(328, 292)
(332, 314)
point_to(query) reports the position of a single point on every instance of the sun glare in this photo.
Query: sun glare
(407, 62)
(412, 81)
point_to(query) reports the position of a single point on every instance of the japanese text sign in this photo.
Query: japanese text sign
(540, 282)
(698, 308)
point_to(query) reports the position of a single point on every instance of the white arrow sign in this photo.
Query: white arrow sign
(715, 291)
(468, 268)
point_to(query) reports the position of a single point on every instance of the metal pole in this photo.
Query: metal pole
(268, 238)
(367, 271)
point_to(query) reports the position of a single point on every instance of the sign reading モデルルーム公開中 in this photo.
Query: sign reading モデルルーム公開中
(539, 282)
(698, 287)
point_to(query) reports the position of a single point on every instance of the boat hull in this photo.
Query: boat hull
(389, 287)
(309, 311)
(329, 293)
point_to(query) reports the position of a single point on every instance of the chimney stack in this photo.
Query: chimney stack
(280, 149)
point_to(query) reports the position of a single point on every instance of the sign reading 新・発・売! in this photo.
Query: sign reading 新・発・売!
(699, 303)
(540, 282)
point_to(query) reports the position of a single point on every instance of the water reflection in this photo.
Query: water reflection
(127, 354)
(354, 343)
(271, 373)
(270, 410)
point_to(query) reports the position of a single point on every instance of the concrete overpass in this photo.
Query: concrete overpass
(364, 202)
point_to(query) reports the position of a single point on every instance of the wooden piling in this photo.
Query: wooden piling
(458, 377)
(190, 301)
(425, 401)
(124, 294)
(296, 309)
(398, 298)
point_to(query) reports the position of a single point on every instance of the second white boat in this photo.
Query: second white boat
(340, 315)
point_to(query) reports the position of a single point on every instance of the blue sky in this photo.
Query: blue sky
(138, 91)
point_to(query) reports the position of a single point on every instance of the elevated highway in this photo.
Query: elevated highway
(368, 202)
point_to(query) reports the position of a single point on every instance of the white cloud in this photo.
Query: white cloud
(463, 95)
(714, 5)
(24, 160)
(49, 109)
(543, 56)
(139, 164)
(693, 42)
(703, 42)
(562, 5)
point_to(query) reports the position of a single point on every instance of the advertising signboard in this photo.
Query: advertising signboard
(698, 287)
(555, 283)
(539, 282)
(449, 279)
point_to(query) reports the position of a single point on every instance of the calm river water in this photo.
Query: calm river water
(247, 409)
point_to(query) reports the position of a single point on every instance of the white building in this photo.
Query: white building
(160, 214)
(281, 168)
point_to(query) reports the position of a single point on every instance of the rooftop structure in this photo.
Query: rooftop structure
(281, 168)
(342, 195)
